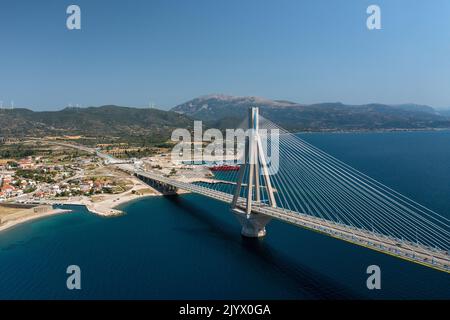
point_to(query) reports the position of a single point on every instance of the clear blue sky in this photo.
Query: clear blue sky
(169, 51)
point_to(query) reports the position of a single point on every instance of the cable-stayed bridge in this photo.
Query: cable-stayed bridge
(311, 189)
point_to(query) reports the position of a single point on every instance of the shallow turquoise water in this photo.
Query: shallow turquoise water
(190, 247)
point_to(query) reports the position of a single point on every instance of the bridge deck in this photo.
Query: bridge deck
(430, 257)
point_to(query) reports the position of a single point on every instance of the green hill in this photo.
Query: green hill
(105, 121)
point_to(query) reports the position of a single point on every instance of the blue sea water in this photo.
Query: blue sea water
(190, 247)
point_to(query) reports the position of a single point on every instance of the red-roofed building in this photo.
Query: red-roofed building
(26, 163)
(7, 189)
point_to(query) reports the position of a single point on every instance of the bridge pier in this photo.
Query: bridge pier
(253, 225)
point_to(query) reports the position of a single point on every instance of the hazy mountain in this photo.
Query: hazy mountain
(221, 111)
(444, 112)
(92, 121)
(415, 108)
(216, 106)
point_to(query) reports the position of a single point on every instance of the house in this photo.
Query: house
(26, 163)
(7, 190)
(85, 188)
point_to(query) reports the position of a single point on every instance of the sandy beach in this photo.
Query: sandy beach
(31, 217)
(109, 202)
(103, 204)
(104, 208)
(106, 204)
(107, 207)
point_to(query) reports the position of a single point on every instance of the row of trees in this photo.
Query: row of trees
(36, 175)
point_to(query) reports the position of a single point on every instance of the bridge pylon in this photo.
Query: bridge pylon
(253, 224)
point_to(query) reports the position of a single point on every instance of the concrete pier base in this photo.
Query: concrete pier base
(254, 225)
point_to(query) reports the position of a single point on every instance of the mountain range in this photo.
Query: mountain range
(220, 111)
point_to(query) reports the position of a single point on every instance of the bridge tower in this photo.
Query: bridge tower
(253, 224)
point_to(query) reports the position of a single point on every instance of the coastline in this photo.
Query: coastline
(31, 217)
(107, 207)
(337, 131)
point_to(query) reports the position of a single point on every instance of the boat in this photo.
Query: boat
(224, 168)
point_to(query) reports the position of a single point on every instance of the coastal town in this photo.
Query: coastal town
(54, 173)
(38, 176)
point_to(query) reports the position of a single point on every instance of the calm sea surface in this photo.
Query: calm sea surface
(190, 247)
